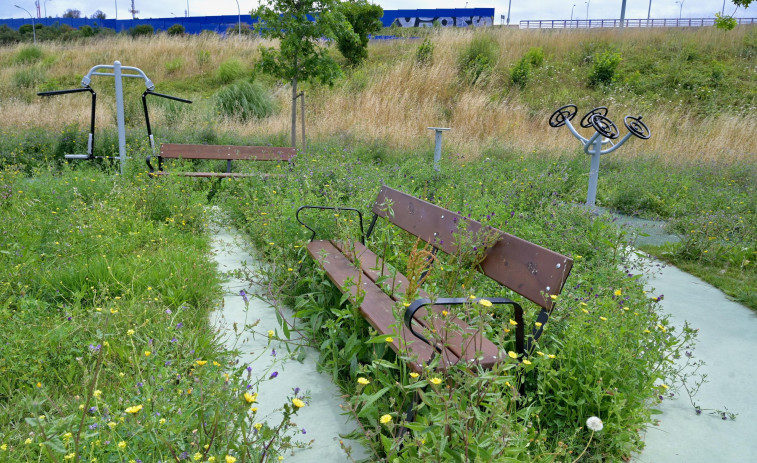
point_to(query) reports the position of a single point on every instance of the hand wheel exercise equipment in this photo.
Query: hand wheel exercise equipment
(636, 127)
(586, 120)
(605, 132)
(562, 115)
(604, 126)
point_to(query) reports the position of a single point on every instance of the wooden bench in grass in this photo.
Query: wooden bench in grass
(227, 153)
(530, 270)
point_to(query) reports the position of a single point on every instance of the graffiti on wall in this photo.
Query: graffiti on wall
(443, 21)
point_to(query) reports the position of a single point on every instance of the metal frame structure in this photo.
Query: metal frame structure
(605, 132)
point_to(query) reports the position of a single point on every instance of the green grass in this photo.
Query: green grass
(106, 287)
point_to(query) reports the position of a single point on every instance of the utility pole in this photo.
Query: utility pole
(133, 10)
(622, 14)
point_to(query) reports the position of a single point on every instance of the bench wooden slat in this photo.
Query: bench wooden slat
(473, 347)
(376, 306)
(227, 152)
(215, 174)
(527, 268)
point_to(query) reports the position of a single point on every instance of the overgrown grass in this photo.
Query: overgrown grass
(108, 354)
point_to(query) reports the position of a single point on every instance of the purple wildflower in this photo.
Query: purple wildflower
(94, 349)
(244, 295)
(179, 325)
(273, 375)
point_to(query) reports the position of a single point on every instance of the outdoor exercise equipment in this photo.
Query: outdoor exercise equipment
(605, 131)
(118, 72)
(147, 114)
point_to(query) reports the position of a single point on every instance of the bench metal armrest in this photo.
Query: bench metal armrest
(420, 303)
(330, 208)
(149, 165)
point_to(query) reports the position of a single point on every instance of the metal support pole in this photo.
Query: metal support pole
(438, 145)
(591, 195)
(120, 114)
(302, 114)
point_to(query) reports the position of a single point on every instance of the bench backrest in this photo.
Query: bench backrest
(530, 270)
(227, 152)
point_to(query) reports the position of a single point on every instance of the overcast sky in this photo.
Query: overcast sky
(520, 9)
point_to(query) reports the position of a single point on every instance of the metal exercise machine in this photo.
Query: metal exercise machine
(605, 132)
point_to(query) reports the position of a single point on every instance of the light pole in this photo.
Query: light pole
(649, 12)
(571, 11)
(239, 19)
(508, 11)
(587, 9)
(44, 4)
(187, 8)
(680, 8)
(116, 1)
(34, 27)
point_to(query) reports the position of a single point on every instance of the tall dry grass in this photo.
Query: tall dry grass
(391, 99)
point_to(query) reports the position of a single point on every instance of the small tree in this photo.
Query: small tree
(71, 13)
(303, 28)
(725, 22)
(98, 15)
(365, 19)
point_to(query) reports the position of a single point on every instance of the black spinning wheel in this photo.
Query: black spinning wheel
(586, 120)
(604, 126)
(562, 115)
(636, 127)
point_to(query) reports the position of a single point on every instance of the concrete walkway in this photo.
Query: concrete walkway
(322, 417)
(727, 343)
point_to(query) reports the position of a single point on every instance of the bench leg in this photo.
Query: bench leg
(410, 413)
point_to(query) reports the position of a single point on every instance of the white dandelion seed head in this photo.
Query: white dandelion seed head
(594, 423)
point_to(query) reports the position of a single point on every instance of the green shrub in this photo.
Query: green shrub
(244, 101)
(230, 70)
(30, 54)
(86, 31)
(141, 30)
(604, 67)
(202, 57)
(174, 65)
(28, 77)
(365, 19)
(176, 29)
(478, 58)
(8, 35)
(725, 23)
(520, 74)
(424, 54)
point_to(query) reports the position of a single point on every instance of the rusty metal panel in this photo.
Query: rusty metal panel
(227, 152)
(526, 268)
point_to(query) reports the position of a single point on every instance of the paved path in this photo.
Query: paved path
(321, 417)
(727, 342)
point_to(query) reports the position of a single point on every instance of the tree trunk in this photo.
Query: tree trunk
(294, 112)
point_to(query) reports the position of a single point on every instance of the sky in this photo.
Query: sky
(519, 9)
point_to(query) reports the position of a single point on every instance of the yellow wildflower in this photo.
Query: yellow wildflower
(414, 375)
(147, 353)
(553, 297)
(526, 361)
(618, 292)
(385, 419)
(130, 332)
(604, 319)
(162, 421)
(436, 380)
(551, 356)
(513, 322)
(485, 302)
(28, 441)
(389, 339)
(197, 456)
(271, 333)
(114, 311)
(512, 355)
(258, 426)
(230, 459)
(201, 362)
(538, 324)
(122, 445)
(250, 398)
(363, 381)
(97, 393)
(133, 410)
(298, 403)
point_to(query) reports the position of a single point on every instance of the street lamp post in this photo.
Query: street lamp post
(587, 9)
(680, 8)
(34, 26)
(649, 12)
(116, 1)
(571, 11)
(508, 11)
(239, 19)
(187, 8)
(44, 4)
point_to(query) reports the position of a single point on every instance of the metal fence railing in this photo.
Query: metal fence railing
(600, 23)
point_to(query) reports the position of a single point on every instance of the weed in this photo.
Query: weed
(244, 101)
(230, 70)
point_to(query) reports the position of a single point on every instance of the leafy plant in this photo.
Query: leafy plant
(365, 19)
(477, 59)
(141, 30)
(29, 54)
(176, 29)
(424, 54)
(603, 68)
